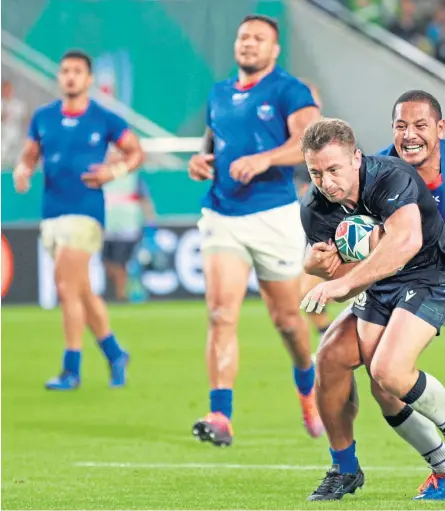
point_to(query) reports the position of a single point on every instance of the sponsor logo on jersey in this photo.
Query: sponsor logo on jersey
(69, 123)
(239, 97)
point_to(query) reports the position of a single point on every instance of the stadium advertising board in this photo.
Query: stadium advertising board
(180, 278)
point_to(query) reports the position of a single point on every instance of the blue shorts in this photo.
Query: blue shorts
(423, 295)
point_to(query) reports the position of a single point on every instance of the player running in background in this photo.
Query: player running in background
(72, 136)
(418, 124)
(404, 277)
(130, 214)
(251, 216)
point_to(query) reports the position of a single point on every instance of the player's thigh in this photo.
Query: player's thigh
(227, 265)
(277, 243)
(404, 339)
(369, 335)
(418, 315)
(339, 346)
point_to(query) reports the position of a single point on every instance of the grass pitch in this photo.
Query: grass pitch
(132, 448)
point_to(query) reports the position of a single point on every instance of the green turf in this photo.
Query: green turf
(45, 436)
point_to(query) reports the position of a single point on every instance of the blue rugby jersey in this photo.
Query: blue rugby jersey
(250, 121)
(70, 143)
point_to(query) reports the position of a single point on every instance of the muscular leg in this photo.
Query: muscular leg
(337, 357)
(226, 275)
(395, 371)
(410, 425)
(283, 300)
(97, 319)
(71, 267)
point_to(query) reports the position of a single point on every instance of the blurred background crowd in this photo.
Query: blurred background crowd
(419, 22)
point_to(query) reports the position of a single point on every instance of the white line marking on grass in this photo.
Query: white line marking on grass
(230, 466)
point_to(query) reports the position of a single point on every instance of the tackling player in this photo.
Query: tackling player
(417, 124)
(72, 136)
(405, 274)
(251, 216)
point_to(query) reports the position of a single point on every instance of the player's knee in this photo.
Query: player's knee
(222, 318)
(388, 403)
(387, 377)
(66, 290)
(286, 320)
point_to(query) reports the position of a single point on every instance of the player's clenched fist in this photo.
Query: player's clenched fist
(200, 167)
(246, 168)
(322, 260)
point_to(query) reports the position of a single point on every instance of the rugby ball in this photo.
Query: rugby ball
(352, 237)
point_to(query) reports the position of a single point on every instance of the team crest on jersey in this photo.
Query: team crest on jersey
(94, 138)
(265, 112)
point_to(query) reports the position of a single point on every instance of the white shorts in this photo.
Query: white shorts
(75, 231)
(272, 241)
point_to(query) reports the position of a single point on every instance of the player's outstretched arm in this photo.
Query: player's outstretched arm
(26, 165)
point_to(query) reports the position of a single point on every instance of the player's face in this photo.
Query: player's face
(74, 77)
(256, 46)
(334, 171)
(416, 132)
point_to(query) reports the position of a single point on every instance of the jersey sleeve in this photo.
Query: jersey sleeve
(33, 132)
(116, 127)
(393, 191)
(316, 225)
(296, 96)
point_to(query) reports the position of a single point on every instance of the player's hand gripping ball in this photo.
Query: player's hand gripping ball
(352, 237)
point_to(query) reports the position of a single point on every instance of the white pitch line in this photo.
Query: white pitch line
(230, 466)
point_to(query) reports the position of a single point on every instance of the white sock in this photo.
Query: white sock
(422, 435)
(428, 398)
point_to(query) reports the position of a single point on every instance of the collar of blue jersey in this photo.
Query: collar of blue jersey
(274, 71)
(391, 151)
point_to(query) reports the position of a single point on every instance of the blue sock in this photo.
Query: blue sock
(346, 459)
(110, 348)
(71, 362)
(221, 401)
(304, 379)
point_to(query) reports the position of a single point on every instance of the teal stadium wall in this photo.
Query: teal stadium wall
(160, 58)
